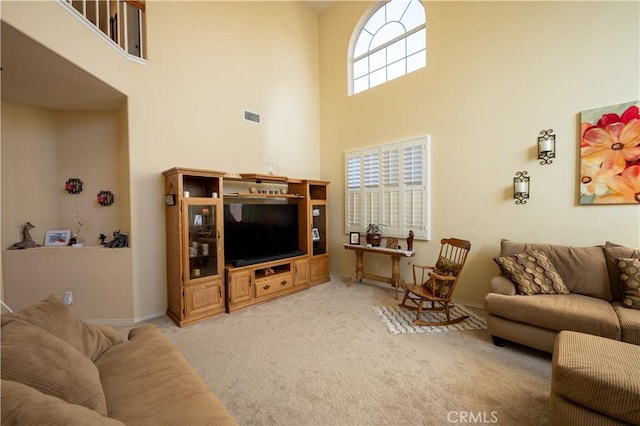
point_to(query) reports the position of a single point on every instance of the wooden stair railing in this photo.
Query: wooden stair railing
(121, 21)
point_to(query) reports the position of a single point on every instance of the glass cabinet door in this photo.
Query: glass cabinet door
(319, 228)
(202, 226)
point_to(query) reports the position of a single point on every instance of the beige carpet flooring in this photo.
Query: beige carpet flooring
(323, 357)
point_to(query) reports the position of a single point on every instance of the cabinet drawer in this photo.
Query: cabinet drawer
(273, 284)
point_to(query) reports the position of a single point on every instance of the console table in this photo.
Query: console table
(395, 280)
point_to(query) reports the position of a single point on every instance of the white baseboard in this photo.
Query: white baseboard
(125, 322)
(468, 303)
(152, 316)
(114, 322)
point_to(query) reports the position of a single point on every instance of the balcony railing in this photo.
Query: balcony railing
(122, 21)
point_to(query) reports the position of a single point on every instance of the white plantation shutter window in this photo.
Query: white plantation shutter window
(371, 166)
(388, 185)
(391, 189)
(372, 170)
(371, 207)
(354, 195)
(413, 159)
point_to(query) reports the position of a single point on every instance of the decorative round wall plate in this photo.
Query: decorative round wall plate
(105, 198)
(73, 186)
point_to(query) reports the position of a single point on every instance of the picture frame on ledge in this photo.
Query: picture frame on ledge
(392, 243)
(354, 238)
(315, 234)
(57, 238)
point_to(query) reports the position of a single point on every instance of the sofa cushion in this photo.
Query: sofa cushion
(599, 374)
(612, 253)
(532, 273)
(26, 406)
(558, 312)
(37, 358)
(630, 277)
(55, 317)
(583, 269)
(502, 285)
(629, 323)
(160, 384)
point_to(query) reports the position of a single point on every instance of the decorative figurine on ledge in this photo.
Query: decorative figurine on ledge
(102, 237)
(27, 241)
(410, 241)
(119, 240)
(78, 223)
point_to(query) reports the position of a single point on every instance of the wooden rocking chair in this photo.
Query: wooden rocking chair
(436, 283)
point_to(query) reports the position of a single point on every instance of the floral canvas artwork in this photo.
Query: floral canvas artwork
(610, 155)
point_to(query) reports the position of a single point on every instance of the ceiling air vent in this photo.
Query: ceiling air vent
(253, 117)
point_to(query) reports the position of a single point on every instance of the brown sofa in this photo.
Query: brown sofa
(593, 304)
(58, 370)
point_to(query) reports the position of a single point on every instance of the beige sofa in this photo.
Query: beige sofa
(595, 381)
(58, 370)
(593, 305)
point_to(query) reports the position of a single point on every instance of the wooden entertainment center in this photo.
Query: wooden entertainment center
(200, 283)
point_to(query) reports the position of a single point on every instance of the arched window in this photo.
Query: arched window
(391, 43)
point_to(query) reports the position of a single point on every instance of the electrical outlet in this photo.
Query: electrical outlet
(375, 266)
(68, 298)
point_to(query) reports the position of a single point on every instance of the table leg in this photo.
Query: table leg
(359, 267)
(395, 273)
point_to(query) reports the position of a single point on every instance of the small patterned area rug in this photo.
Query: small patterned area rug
(400, 320)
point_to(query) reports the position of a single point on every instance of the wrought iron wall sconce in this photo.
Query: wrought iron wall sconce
(546, 146)
(521, 187)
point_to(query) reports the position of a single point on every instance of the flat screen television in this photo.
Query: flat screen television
(255, 233)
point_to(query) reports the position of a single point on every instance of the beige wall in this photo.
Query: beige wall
(99, 279)
(30, 187)
(207, 61)
(497, 74)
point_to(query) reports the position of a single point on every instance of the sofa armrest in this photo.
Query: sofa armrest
(143, 330)
(502, 285)
(111, 333)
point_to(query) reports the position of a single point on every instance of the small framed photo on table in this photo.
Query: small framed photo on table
(392, 243)
(57, 238)
(354, 238)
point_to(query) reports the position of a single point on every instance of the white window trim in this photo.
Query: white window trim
(354, 39)
(356, 198)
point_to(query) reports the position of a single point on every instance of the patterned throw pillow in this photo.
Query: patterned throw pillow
(446, 268)
(612, 253)
(532, 273)
(630, 276)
